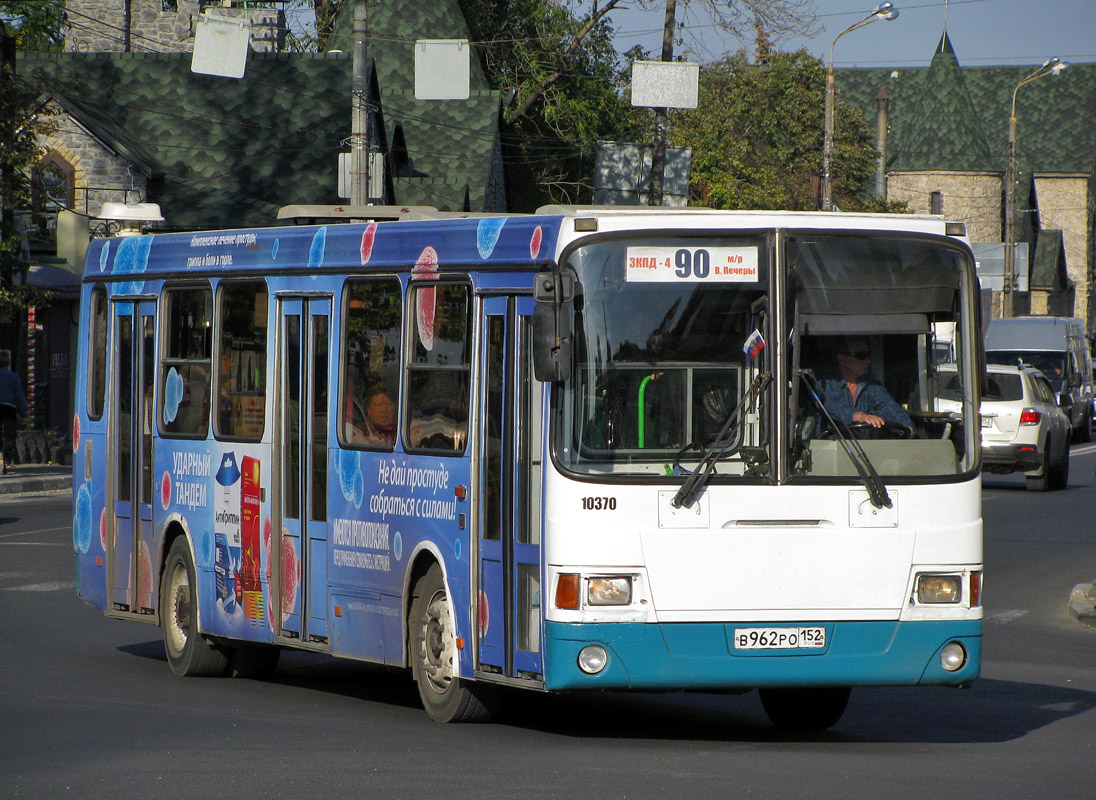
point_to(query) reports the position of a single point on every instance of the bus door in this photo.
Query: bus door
(299, 549)
(130, 540)
(508, 483)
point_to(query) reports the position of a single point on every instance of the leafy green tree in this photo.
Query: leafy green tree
(35, 26)
(756, 135)
(560, 80)
(22, 122)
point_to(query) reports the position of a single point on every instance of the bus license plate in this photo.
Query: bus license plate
(779, 638)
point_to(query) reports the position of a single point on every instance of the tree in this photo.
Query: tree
(756, 135)
(22, 122)
(560, 82)
(37, 26)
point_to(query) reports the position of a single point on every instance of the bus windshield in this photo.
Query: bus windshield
(676, 339)
(659, 365)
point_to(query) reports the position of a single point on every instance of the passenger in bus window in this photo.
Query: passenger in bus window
(854, 395)
(379, 425)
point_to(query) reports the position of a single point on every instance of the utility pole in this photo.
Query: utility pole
(359, 115)
(662, 115)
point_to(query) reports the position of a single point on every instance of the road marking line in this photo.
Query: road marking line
(33, 544)
(51, 586)
(32, 533)
(1004, 617)
(1083, 450)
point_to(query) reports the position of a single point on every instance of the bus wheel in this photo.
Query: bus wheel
(445, 697)
(805, 709)
(188, 652)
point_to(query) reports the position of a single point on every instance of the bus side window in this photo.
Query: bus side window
(185, 368)
(371, 354)
(439, 370)
(97, 353)
(241, 355)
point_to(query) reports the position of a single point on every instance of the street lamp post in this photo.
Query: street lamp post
(882, 11)
(1052, 66)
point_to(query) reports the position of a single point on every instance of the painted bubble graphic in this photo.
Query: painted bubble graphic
(426, 304)
(103, 528)
(534, 242)
(144, 576)
(104, 257)
(81, 523)
(368, 237)
(348, 472)
(75, 433)
(316, 251)
(483, 614)
(487, 235)
(274, 249)
(359, 489)
(173, 395)
(206, 550)
(132, 259)
(291, 574)
(457, 549)
(165, 490)
(397, 546)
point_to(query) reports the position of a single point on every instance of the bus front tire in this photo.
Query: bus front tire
(188, 652)
(808, 709)
(445, 697)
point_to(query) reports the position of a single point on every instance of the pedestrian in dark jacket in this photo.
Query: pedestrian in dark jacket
(13, 404)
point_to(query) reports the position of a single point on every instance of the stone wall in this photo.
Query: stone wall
(100, 176)
(100, 26)
(971, 197)
(1064, 204)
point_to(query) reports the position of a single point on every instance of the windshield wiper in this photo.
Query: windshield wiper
(877, 490)
(716, 449)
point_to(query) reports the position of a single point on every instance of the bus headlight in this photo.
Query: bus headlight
(592, 659)
(939, 589)
(616, 591)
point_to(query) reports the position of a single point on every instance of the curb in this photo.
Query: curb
(1082, 603)
(34, 483)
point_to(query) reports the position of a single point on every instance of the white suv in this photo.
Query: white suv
(1023, 429)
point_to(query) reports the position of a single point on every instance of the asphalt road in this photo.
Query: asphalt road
(88, 708)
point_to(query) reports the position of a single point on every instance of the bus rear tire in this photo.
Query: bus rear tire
(815, 709)
(188, 652)
(445, 697)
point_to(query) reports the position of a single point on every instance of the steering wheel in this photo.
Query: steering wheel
(862, 430)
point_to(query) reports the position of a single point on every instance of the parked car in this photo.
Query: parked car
(1057, 347)
(1023, 428)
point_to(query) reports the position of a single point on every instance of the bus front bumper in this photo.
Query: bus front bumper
(669, 656)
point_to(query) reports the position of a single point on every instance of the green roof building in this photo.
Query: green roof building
(946, 147)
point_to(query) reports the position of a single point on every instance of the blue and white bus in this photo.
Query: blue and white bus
(578, 450)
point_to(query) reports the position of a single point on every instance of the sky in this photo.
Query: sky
(982, 32)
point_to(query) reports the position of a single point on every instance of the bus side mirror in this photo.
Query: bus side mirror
(552, 335)
(551, 344)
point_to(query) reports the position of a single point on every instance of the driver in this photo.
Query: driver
(855, 395)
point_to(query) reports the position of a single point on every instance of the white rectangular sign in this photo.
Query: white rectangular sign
(691, 265)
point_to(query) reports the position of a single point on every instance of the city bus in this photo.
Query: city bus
(582, 449)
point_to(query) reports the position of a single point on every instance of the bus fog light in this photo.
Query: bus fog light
(592, 659)
(953, 656)
(939, 588)
(609, 591)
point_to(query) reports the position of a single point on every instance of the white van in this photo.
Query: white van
(1058, 347)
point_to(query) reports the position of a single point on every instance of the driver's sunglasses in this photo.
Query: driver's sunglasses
(860, 355)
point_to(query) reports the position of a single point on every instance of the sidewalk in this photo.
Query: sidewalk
(35, 478)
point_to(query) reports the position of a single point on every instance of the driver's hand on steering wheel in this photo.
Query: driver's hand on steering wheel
(876, 421)
(869, 419)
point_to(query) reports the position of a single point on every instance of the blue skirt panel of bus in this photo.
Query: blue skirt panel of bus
(701, 656)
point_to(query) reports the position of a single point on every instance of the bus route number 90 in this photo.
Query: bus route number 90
(599, 504)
